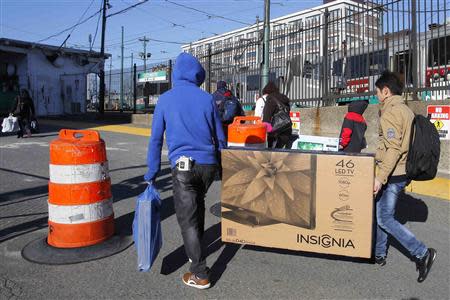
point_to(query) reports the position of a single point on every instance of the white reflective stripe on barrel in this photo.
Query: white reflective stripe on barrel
(73, 174)
(260, 145)
(77, 214)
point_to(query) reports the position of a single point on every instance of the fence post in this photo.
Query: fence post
(134, 88)
(325, 59)
(169, 73)
(414, 46)
(208, 82)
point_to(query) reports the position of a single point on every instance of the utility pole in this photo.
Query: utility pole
(134, 88)
(109, 88)
(414, 53)
(258, 52)
(145, 40)
(121, 75)
(101, 108)
(325, 69)
(266, 46)
(131, 79)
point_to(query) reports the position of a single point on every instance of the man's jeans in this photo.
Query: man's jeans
(386, 204)
(189, 190)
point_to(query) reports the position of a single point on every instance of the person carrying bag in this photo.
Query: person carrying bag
(276, 114)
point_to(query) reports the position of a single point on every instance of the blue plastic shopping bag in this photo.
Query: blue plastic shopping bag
(147, 227)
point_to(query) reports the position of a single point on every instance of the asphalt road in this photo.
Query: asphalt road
(239, 272)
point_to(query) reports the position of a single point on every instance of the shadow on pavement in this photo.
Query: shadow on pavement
(409, 209)
(23, 228)
(33, 192)
(212, 241)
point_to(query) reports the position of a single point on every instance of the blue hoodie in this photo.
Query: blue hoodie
(189, 117)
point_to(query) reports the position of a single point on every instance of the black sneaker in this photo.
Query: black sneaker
(424, 264)
(380, 260)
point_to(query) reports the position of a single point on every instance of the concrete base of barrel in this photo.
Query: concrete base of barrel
(39, 251)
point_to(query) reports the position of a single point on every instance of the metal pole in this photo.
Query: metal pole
(169, 74)
(325, 58)
(134, 88)
(101, 108)
(258, 53)
(145, 54)
(266, 47)
(121, 75)
(208, 83)
(131, 79)
(414, 46)
(109, 87)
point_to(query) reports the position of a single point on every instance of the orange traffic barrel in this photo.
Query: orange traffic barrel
(80, 208)
(247, 132)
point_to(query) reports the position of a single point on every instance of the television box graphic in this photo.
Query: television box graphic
(316, 143)
(316, 202)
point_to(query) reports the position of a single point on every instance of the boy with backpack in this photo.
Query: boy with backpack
(228, 105)
(396, 121)
(353, 128)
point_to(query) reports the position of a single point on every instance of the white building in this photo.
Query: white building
(351, 24)
(56, 77)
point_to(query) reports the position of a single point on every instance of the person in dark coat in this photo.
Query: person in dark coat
(23, 109)
(353, 128)
(274, 98)
(219, 94)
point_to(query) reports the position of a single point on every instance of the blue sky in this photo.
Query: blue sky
(33, 20)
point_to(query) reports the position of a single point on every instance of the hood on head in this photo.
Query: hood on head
(221, 85)
(358, 106)
(188, 68)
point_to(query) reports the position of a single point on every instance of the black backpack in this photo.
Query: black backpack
(281, 120)
(229, 108)
(424, 150)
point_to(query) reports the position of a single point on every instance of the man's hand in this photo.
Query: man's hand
(377, 186)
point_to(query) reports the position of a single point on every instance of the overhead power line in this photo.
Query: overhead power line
(98, 23)
(127, 8)
(207, 13)
(70, 28)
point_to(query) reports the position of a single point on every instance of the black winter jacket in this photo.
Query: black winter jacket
(354, 127)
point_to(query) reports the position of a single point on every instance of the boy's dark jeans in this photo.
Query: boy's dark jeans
(189, 190)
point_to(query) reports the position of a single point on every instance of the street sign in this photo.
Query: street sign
(152, 76)
(295, 118)
(439, 116)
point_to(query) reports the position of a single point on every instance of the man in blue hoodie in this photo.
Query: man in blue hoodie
(194, 136)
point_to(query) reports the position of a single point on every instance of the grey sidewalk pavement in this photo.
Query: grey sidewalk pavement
(239, 272)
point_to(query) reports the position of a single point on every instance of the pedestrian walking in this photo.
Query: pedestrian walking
(392, 151)
(276, 111)
(260, 103)
(353, 128)
(228, 105)
(190, 120)
(23, 109)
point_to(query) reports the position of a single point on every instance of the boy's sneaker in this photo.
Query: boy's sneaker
(424, 264)
(380, 260)
(191, 280)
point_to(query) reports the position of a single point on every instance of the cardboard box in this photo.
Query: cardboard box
(316, 202)
(316, 143)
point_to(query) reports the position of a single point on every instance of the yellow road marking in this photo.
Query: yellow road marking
(438, 187)
(124, 129)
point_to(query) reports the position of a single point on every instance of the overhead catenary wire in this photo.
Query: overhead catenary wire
(208, 14)
(127, 8)
(70, 28)
(98, 23)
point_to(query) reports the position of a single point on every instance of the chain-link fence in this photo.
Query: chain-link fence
(337, 54)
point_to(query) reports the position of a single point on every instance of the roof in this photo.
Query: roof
(31, 45)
